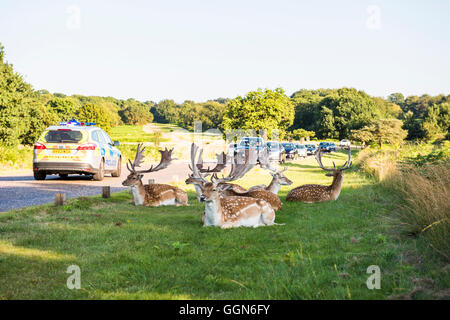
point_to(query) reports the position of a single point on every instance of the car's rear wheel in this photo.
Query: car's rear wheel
(101, 172)
(40, 175)
(118, 170)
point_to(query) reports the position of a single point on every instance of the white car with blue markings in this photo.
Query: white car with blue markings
(76, 148)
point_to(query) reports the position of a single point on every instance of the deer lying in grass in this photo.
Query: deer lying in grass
(198, 178)
(316, 193)
(278, 179)
(152, 194)
(234, 211)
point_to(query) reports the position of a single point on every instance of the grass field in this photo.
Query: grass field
(126, 252)
(128, 133)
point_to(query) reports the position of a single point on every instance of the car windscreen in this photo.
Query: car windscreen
(63, 136)
(272, 145)
(300, 146)
(288, 145)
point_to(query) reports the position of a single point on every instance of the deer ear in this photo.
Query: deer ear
(329, 174)
(141, 176)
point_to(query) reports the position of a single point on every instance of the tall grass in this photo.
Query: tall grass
(422, 181)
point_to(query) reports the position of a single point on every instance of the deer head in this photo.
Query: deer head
(135, 176)
(210, 190)
(199, 173)
(276, 174)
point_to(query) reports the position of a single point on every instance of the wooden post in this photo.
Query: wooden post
(106, 192)
(151, 181)
(60, 199)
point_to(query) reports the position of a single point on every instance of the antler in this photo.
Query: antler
(238, 170)
(319, 160)
(138, 158)
(166, 158)
(346, 165)
(264, 161)
(195, 167)
(221, 163)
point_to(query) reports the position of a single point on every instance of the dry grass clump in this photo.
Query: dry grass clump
(426, 207)
(423, 184)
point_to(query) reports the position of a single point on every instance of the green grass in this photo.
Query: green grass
(128, 133)
(126, 252)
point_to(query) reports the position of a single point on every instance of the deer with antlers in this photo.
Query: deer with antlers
(225, 189)
(153, 194)
(278, 178)
(317, 193)
(235, 211)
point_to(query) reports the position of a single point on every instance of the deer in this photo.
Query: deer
(153, 194)
(199, 173)
(310, 193)
(278, 178)
(234, 211)
(225, 189)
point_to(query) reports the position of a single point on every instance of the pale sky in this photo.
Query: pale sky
(199, 50)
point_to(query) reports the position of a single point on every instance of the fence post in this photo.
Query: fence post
(60, 199)
(106, 192)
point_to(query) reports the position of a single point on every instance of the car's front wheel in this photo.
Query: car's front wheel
(40, 175)
(101, 172)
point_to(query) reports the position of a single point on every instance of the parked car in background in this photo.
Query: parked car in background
(249, 142)
(327, 146)
(276, 151)
(310, 148)
(291, 150)
(344, 143)
(76, 147)
(324, 146)
(301, 150)
(331, 147)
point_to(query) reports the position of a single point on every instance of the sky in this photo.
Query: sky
(200, 50)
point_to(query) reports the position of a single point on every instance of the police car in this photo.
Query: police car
(76, 147)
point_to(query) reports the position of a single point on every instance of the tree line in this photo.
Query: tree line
(323, 113)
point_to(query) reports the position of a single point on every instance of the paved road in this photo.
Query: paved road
(21, 190)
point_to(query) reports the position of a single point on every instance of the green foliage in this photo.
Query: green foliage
(15, 98)
(96, 114)
(260, 110)
(136, 114)
(210, 113)
(381, 131)
(297, 134)
(65, 108)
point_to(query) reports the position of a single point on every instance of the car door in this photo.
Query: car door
(110, 152)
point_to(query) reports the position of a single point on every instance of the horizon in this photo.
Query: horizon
(204, 51)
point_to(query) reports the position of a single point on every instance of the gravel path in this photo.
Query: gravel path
(21, 190)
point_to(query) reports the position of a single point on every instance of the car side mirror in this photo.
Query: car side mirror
(116, 143)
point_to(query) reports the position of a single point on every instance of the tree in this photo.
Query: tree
(15, 97)
(136, 114)
(261, 110)
(302, 133)
(96, 114)
(65, 108)
(381, 131)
